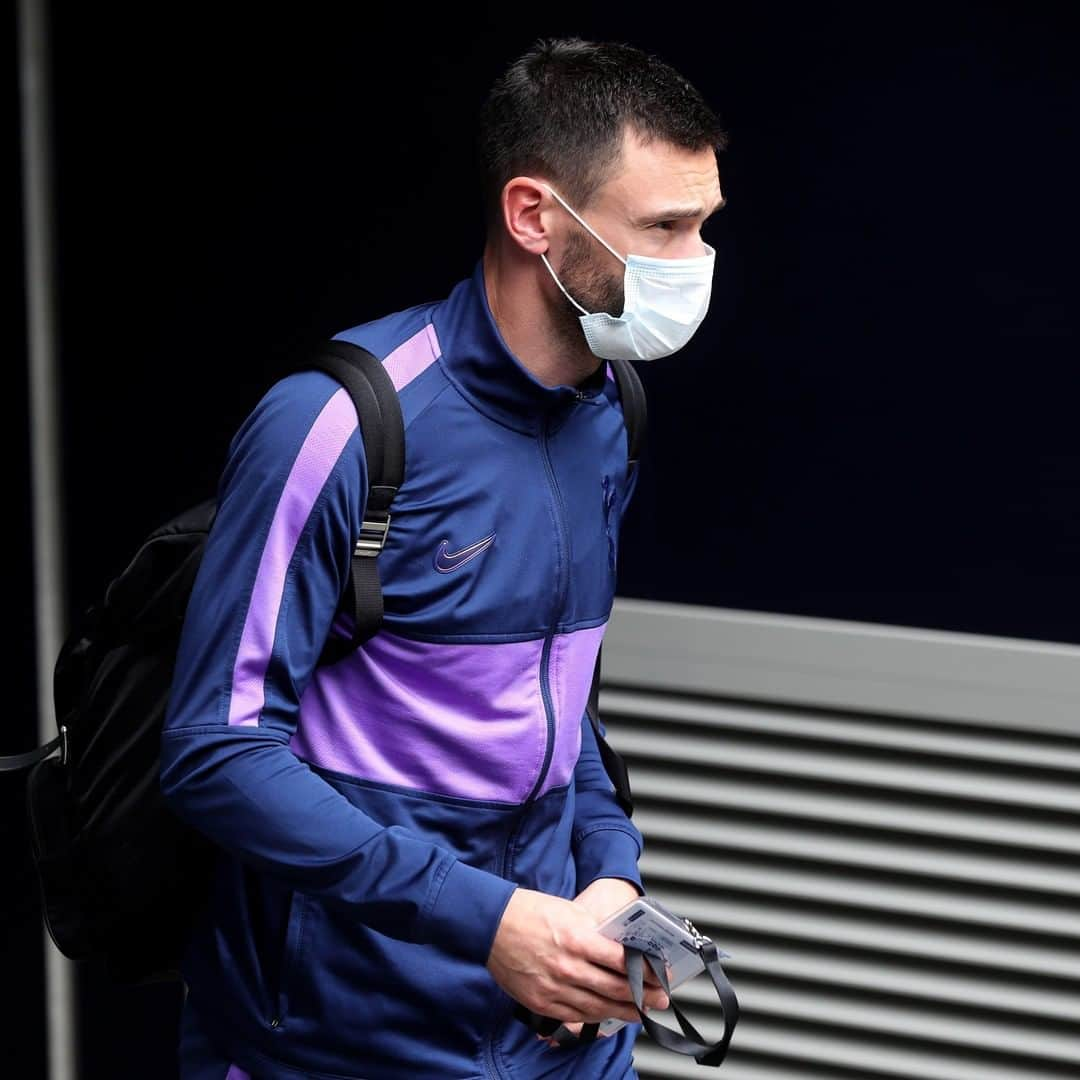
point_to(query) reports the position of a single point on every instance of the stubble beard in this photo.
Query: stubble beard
(594, 288)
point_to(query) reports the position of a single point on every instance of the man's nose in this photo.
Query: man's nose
(692, 247)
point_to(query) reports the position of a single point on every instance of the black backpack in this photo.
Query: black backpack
(122, 878)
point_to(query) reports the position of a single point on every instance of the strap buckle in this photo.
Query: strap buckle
(373, 532)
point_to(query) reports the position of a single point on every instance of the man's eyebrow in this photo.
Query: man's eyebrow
(678, 213)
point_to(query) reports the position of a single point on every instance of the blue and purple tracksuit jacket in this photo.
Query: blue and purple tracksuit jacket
(376, 814)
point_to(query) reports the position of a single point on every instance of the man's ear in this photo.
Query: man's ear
(525, 211)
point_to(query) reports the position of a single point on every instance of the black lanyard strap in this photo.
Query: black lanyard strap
(691, 1042)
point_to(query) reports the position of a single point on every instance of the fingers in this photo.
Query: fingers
(577, 1005)
(609, 954)
(650, 976)
(616, 988)
(589, 994)
(602, 982)
(600, 951)
(598, 964)
(654, 995)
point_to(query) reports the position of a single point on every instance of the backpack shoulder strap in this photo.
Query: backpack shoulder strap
(383, 430)
(614, 765)
(635, 411)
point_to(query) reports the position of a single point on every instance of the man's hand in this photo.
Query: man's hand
(601, 898)
(548, 956)
(605, 896)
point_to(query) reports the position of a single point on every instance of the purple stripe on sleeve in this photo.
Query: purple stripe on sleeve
(321, 450)
(236, 1073)
(412, 357)
(570, 671)
(461, 720)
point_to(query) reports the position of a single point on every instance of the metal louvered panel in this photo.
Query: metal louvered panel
(900, 892)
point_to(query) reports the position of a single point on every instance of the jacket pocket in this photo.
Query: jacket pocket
(290, 957)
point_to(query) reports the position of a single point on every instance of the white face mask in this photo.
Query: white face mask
(664, 302)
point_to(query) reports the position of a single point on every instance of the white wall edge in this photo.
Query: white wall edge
(860, 667)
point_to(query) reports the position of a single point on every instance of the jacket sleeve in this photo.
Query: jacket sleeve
(290, 503)
(606, 842)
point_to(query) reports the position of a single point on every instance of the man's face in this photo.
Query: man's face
(654, 204)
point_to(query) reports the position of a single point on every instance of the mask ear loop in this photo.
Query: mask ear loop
(588, 228)
(584, 224)
(560, 284)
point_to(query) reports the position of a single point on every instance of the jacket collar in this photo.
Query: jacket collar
(479, 362)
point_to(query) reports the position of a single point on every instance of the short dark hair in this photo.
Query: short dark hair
(561, 110)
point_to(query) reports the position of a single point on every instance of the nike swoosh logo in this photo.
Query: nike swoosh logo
(446, 562)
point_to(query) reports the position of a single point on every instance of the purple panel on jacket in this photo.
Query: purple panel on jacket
(412, 357)
(463, 720)
(321, 449)
(570, 671)
(236, 1073)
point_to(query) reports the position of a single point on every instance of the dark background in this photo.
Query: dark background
(876, 422)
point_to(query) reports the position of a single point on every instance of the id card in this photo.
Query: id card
(647, 925)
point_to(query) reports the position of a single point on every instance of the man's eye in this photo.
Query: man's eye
(666, 225)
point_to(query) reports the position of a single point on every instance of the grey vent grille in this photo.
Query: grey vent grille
(900, 894)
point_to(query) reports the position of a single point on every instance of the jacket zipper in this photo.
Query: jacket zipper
(563, 545)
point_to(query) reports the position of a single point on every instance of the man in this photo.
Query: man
(421, 834)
